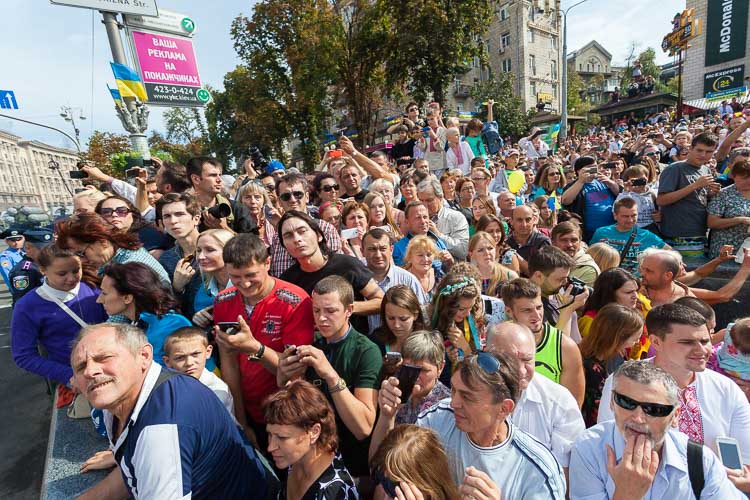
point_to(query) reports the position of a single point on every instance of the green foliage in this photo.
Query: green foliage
(178, 152)
(648, 67)
(575, 87)
(432, 42)
(508, 108)
(183, 125)
(102, 146)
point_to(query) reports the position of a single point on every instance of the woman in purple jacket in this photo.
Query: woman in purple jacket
(51, 315)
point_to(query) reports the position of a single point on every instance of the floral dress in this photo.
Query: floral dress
(727, 204)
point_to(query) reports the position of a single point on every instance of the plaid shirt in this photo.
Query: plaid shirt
(280, 258)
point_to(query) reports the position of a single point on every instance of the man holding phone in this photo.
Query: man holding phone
(591, 195)
(640, 454)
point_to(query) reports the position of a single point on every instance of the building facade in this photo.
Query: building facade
(525, 41)
(593, 63)
(26, 178)
(724, 44)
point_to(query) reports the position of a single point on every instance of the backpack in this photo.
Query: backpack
(491, 137)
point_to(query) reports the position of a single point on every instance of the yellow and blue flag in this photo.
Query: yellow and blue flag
(115, 95)
(128, 82)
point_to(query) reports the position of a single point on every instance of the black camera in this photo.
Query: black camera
(220, 211)
(577, 287)
(259, 161)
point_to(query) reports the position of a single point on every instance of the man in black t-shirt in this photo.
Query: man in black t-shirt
(304, 240)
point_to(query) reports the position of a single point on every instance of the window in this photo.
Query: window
(532, 64)
(580, 66)
(475, 62)
(506, 65)
(553, 70)
(530, 36)
(553, 42)
(504, 12)
(505, 40)
(533, 89)
(554, 92)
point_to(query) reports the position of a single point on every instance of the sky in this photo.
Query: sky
(49, 61)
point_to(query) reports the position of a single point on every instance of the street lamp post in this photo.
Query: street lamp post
(69, 115)
(53, 165)
(564, 108)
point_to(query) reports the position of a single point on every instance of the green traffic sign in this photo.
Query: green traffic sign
(203, 95)
(188, 24)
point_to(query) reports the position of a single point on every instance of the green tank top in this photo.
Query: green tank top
(549, 354)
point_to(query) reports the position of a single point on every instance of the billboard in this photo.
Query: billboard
(726, 30)
(168, 68)
(723, 80)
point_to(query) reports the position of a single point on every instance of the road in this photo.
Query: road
(25, 410)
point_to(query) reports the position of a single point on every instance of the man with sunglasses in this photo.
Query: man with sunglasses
(11, 255)
(640, 454)
(292, 192)
(475, 429)
(712, 404)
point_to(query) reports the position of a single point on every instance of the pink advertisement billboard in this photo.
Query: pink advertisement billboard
(166, 60)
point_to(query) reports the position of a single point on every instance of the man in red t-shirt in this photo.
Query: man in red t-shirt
(271, 314)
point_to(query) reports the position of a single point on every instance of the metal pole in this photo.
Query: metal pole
(75, 142)
(113, 35)
(564, 107)
(679, 86)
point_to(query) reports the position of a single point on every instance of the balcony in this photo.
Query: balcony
(462, 90)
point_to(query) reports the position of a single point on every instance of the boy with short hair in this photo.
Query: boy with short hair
(186, 350)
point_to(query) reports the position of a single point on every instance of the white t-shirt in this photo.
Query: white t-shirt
(520, 466)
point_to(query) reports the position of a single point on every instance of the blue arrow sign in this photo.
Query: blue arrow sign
(8, 100)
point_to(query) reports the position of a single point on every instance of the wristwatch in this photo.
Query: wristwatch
(340, 386)
(258, 355)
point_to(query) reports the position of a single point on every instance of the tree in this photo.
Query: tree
(647, 59)
(184, 125)
(508, 108)
(575, 87)
(432, 42)
(671, 86)
(287, 48)
(102, 146)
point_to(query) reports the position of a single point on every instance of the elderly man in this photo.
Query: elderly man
(171, 436)
(712, 404)
(640, 454)
(546, 410)
(475, 428)
(445, 223)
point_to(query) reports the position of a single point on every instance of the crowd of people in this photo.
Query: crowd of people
(458, 317)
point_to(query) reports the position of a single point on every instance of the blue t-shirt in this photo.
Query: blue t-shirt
(617, 239)
(599, 201)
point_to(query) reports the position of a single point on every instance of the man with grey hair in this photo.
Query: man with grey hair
(640, 454)
(171, 436)
(546, 410)
(660, 269)
(447, 224)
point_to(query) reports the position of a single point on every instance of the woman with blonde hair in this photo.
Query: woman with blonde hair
(254, 196)
(302, 439)
(482, 205)
(381, 215)
(209, 250)
(605, 256)
(87, 200)
(614, 331)
(498, 229)
(547, 214)
(354, 215)
(411, 458)
(483, 255)
(418, 260)
(386, 188)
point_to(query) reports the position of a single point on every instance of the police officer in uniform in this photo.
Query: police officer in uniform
(25, 275)
(13, 254)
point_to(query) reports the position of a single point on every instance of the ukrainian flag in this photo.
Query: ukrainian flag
(115, 96)
(128, 82)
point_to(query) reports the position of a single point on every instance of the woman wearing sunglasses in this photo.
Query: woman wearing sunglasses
(325, 188)
(123, 215)
(615, 330)
(92, 239)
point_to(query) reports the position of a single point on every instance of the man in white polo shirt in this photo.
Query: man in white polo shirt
(546, 410)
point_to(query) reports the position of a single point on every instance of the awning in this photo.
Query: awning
(706, 105)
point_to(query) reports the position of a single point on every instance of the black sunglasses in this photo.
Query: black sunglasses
(388, 485)
(298, 195)
(119, 211)
(650, 409)
(330, 187)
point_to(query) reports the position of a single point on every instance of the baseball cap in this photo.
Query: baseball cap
(39, 237)
(274, 165)
(512, 152)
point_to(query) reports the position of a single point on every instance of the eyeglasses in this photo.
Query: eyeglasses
(553, 174)
(388, 485)
(650, 409)
(488, 362)
(330, 187)
(298, 195)
(82, 254)
(475, 179)
(119, 212)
